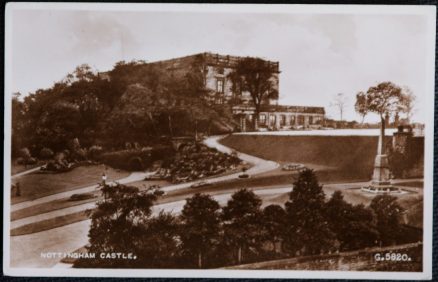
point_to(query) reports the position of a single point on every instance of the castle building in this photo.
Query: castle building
(215, 70)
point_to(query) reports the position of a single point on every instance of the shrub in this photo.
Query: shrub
(125, 159)
(74, 144)
(60, 157)
(136, 163)
(25, 154)
(31, 161)
(162, 152)
(128, 146)
(46, 153)
(52, 166)
(80, 154)
(66, 153)
(26, 158)
(20, 161)
(94, 152)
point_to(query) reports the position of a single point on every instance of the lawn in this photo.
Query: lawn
(417, 184)
(16, 168)
(347, 157)
(51, 206)
(36, 185)
(411, 202)
(49, 223)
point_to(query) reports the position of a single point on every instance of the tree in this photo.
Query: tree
(340, 101)
(241, 218)
(361, 105)
(157, 243)
(18, 111)
(353, 224)
(384, 99)
(308, 230)
(118, 223)
(57, 125)
(388, 212)
(255, 76)
(273, 224)
(25, 155)
(408, 105)
(201, 226)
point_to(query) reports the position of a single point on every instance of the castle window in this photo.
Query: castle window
(272, 120)
(282, 120)
(220, 85)
(262, 119)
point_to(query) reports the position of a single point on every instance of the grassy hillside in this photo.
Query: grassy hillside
(349, 155)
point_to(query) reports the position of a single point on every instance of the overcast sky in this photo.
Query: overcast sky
(319, 55)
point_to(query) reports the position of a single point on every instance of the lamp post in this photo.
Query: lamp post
(104, 185)
(103, 179)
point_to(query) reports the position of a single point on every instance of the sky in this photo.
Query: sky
(320, 55)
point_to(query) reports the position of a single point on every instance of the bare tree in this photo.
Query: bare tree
(340, 102)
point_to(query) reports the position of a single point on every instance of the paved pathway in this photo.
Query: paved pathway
(133, 177)
(259, 166)
(25, 172)
(27, 249)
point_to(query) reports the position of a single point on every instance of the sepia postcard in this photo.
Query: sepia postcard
(219, 140)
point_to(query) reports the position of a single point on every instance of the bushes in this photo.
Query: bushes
(26, 158)
(161, 152)
(208, 236)
(127, 159)
(136, 159)
(94, 152)
(136, 163)
(46, 153)
(194, 161)
(25, 153)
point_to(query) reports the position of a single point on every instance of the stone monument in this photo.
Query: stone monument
(380, 182)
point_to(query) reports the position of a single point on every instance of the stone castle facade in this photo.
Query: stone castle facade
(215, 70)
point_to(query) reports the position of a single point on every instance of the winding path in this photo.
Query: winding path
(26, 249)
(133, 177)
(25, 172)
(259, 166)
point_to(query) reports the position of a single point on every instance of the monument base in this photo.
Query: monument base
(376, 189)
(380, 182)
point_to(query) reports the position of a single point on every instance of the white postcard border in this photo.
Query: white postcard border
(428, 11)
